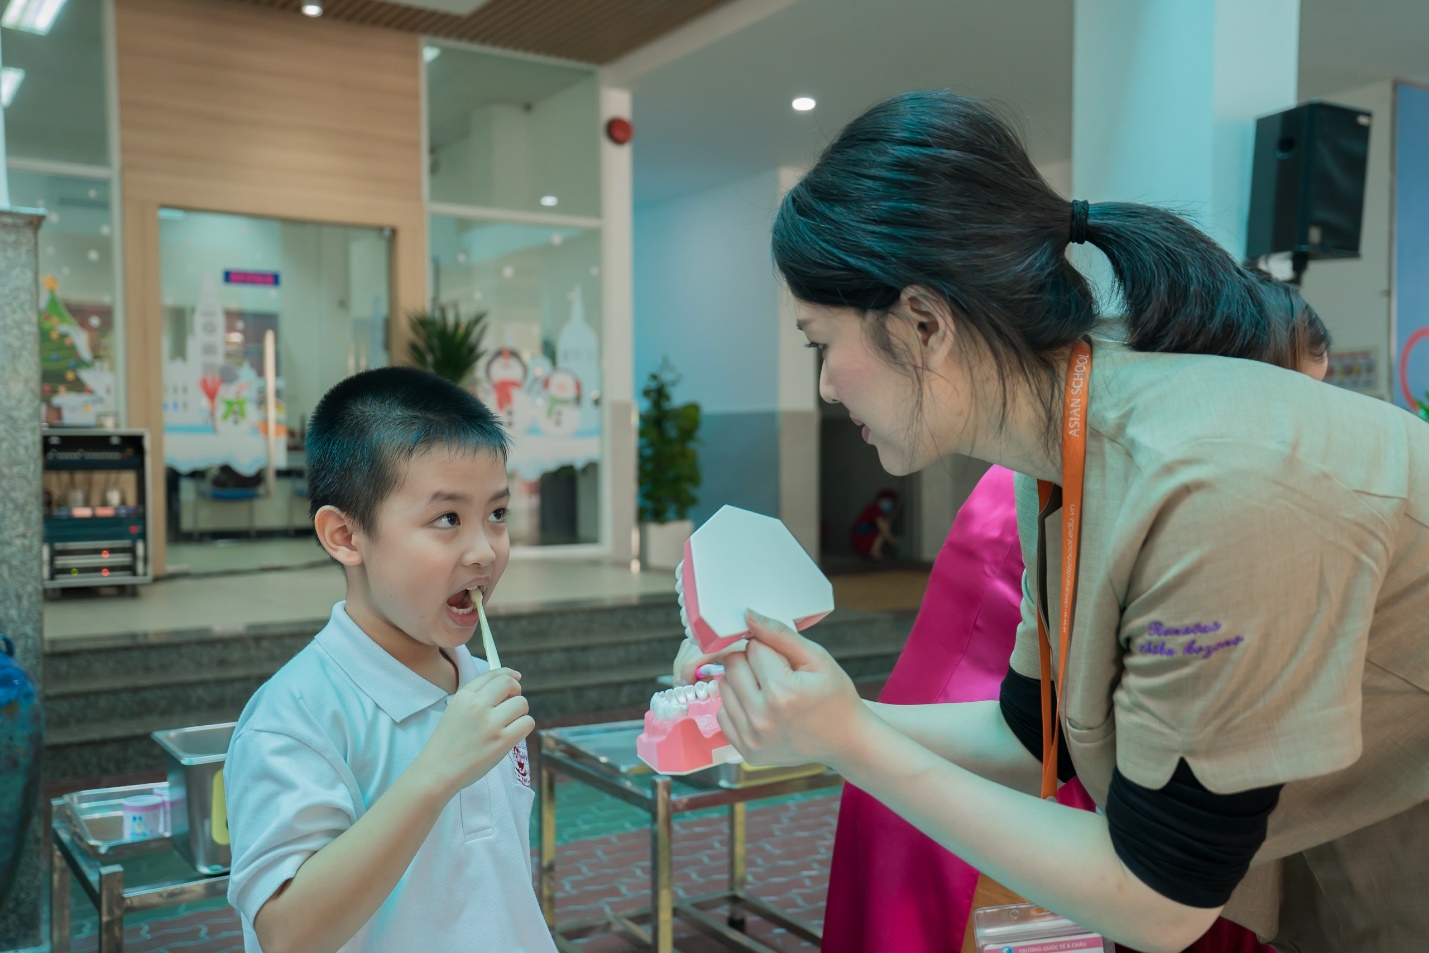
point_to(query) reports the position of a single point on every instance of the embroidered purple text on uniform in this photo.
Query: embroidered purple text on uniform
(1157, 634)
(1196, 628)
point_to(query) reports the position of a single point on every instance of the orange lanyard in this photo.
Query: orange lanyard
(1074, 464)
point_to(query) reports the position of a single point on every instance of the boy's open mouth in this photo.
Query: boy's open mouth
(462, 605)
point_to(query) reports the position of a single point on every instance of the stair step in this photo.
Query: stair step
(138, 727)
(172, 702)
(200, 649)
(124, 682)
(104, 698)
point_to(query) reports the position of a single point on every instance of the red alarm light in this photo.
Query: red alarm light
(619, 131)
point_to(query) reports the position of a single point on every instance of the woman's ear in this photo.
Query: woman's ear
(338, 535)
(932, 318)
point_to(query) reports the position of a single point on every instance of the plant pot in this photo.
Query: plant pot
(662, 545)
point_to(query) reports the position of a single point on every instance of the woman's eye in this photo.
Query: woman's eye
(448, 521)
(817, 347)
(499, 516)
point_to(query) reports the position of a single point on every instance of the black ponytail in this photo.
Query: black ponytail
(1181, 292)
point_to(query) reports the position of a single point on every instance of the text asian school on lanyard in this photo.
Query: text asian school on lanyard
(1074, 465)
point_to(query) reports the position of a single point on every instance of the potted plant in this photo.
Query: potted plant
(669, 469)
(447, 344)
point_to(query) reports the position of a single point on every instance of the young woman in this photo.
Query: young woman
(891, 887)
(1238, 674)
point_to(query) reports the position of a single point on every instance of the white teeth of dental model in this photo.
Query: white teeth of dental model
(675, 702)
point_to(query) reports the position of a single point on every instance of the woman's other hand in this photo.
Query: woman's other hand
(690, 658)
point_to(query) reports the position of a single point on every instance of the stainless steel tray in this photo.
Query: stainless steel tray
(611, 744)
(97, 817)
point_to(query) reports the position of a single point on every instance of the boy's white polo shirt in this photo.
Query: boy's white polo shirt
(319, 743)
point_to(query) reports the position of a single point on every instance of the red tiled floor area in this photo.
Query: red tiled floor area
(789, 845)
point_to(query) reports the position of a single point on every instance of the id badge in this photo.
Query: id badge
(1028, 928)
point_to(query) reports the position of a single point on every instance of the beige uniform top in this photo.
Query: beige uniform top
(1254, 597)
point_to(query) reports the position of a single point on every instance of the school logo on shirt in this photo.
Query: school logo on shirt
(523, 764)
(1163, 640)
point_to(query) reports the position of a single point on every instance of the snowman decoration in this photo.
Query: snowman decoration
(506, 372)
(563, 403)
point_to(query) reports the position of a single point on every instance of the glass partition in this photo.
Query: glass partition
(510, 133)
(80, 370)
(539, 289)
(254, 307)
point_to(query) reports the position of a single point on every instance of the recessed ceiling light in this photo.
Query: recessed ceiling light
(32, 16)
(549, 200)
(803, 104)
(430, 53)
(10, 79)
(312, 8)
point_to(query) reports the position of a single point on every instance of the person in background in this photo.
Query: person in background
(872, 535)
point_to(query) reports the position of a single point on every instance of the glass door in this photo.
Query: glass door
(261, 317)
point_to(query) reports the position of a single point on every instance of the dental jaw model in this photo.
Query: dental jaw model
(682, 732)
(736, 561)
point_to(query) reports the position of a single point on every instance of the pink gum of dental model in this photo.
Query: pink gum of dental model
(690, 741)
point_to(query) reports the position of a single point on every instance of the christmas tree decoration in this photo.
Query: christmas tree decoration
(64, 346)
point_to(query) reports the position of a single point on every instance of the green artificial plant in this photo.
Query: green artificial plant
(669, 462)
(447, 344)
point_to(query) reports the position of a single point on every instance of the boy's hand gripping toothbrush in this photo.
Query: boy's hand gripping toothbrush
(736, 561)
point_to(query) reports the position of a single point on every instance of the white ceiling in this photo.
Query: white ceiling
(723, 111)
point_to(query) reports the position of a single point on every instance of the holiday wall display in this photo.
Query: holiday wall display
(77, 381)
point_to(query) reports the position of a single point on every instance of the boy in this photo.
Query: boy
(378, 794)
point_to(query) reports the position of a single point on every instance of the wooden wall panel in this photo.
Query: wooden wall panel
(227, 107)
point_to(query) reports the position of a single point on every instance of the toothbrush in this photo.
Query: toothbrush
(487, 642)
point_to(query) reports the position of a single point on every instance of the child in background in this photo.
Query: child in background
(378, 792)
(873, 530)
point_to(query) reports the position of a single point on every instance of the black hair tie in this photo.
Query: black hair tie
(1078, 232)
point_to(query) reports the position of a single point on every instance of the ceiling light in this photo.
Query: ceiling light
(32, 16)
(430, 53)
(803, 104)
(312, 8)
(10, 79)
(549, 200)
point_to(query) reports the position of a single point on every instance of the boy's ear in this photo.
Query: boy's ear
(337, 533)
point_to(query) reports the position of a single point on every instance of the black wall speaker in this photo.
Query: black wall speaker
(1307, 183)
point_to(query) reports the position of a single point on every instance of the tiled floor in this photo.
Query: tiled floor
(790, 842)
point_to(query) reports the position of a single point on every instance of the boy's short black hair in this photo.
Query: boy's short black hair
(367, 428)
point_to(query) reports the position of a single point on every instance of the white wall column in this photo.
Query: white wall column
(1165, 96)
(617, 333)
